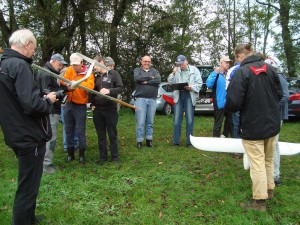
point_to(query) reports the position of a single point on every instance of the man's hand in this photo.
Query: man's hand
(188, 88)
(175, 69)
(217, 69)
(104, 91)
(51, 96)
(70, 89)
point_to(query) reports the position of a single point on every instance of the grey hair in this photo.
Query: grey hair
(19, 38)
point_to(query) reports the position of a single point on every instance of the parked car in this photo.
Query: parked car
(204, 103)
(162, 106)
(294, 100)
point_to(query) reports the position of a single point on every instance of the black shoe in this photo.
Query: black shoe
(81, 156)
(100, 162)
(139, 145)
(71, 155)
(277, 182)
(149, 143)
(37, 219)
(189, 146)
(116, 162)
(70, 158)
(81, 160)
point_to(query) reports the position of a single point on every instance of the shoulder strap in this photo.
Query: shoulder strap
(215, 83)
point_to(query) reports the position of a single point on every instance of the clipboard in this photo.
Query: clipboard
(179, 86)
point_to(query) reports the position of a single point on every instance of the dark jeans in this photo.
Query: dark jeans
(30, 163)
(75, 120)
(236, 124)
(107, 120)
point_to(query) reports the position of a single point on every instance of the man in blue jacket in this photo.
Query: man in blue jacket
(217, 82)
(24, 121)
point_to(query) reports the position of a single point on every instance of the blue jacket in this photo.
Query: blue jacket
(220, 89)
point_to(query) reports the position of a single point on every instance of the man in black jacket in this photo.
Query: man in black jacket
(24, 121)
(255, 91)
(48, 84)
(105, 113)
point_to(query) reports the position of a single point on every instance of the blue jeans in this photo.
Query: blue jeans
(184, 104)
(64, 130)
(50, 145)
(75, 120)
(144, 114)
(236, 124)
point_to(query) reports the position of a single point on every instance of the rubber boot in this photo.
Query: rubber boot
(71, 156)
(81, 156)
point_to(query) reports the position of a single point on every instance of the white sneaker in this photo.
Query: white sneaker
(222, 136)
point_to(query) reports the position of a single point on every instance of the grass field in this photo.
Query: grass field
(160, 185)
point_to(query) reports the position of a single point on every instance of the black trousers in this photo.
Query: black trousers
(107, 120)
(228, 125)
(218, 116)
(30, 163)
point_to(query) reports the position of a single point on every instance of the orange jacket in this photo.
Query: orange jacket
(78, 96)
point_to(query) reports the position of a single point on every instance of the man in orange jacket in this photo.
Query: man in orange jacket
(75, 108)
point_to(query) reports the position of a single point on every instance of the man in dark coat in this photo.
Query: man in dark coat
(24, 121)
(255, 91)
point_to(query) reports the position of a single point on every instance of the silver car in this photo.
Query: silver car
(162, 106)
(204, 103)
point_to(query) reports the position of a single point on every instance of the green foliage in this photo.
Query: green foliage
(162, 185)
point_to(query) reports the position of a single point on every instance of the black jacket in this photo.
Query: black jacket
(24, 112)
(46, 82)
(112, 81)
(255, 91)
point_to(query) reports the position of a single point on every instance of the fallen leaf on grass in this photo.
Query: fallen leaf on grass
(160, 215)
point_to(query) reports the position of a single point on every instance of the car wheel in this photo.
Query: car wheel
(167, 109)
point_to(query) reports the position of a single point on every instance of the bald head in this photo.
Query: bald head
(146, 62)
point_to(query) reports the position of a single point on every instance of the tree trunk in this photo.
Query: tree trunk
(286, 37)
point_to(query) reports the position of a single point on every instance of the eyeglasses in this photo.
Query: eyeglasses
(147, 61)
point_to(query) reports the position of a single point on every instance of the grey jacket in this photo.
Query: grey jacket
(195, 81)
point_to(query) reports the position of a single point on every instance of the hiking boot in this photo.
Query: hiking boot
(270, 193)
(258, 205)
(49, 169)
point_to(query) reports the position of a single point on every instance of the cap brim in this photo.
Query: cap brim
(180, 63)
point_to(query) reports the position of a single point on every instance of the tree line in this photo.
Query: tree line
(128, 29)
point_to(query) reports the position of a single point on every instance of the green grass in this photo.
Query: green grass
(162, 185)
